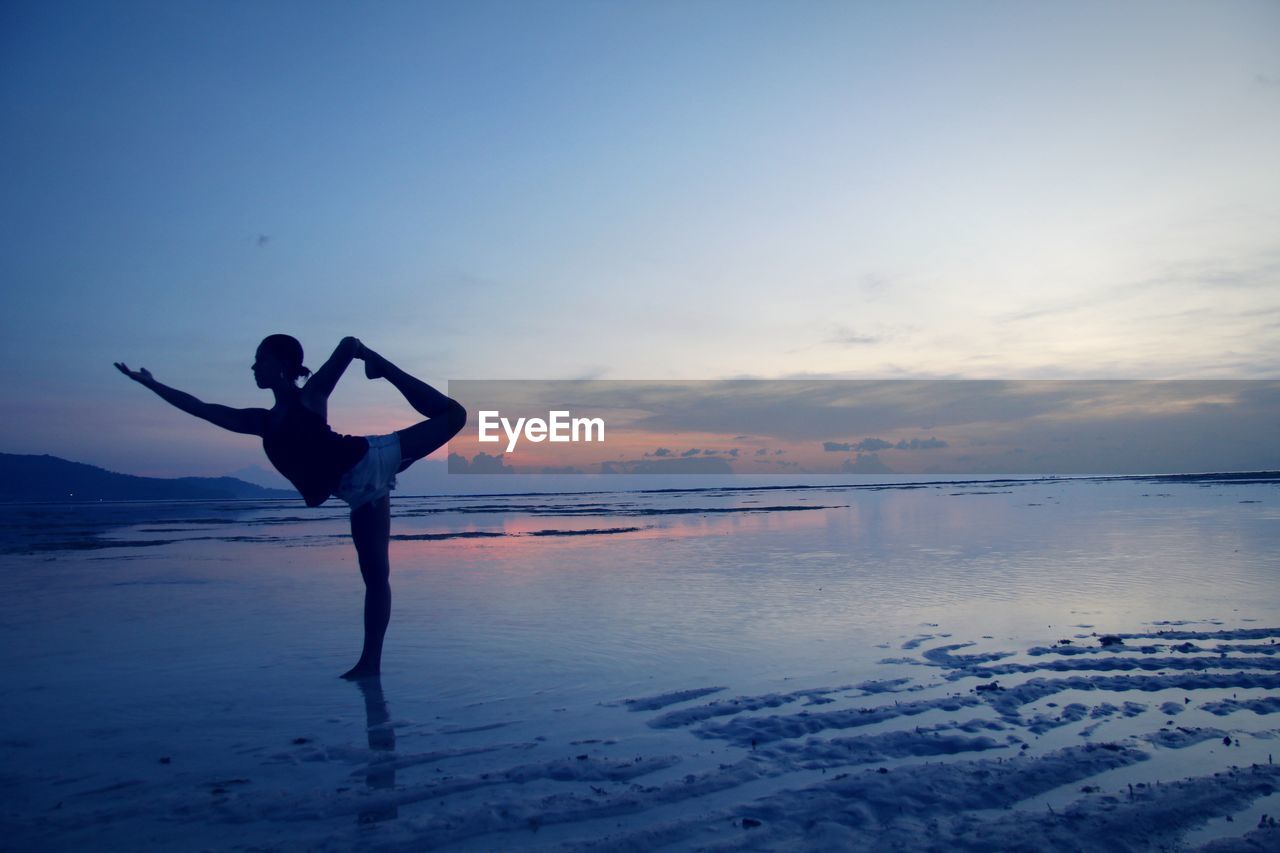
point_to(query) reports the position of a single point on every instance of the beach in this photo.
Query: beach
(1012, 664)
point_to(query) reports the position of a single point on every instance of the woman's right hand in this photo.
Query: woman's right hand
(357, 348)
(142, 375)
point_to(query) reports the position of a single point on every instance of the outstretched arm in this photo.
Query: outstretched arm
(249, 421)
(324, 380)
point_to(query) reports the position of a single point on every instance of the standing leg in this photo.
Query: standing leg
(445, 416)
(371, 532)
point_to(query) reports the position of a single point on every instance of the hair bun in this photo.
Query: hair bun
(287, 349)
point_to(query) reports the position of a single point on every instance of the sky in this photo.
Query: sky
(665, 190)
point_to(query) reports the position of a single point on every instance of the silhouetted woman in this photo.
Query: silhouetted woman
(320, 462)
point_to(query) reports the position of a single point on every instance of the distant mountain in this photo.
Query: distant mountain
(260, 476)
(48, 478)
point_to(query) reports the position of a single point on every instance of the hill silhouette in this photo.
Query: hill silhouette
(49, 478)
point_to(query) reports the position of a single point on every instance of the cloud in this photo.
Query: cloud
(562, 469)
(874, 444)
(700, 465)
(920, 444)
(868, 463)
(845, 335)
(781, 463)
(481, 463)
(668, 453)
(1256, 271)
(762, 451)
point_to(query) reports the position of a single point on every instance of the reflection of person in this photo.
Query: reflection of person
(381, 771)
(320, 462)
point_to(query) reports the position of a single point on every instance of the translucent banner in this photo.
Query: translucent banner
(852, 427)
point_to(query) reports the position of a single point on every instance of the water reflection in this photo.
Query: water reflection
(520, 537)
(381, 772)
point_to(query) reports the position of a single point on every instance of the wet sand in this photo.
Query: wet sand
(1028, 667)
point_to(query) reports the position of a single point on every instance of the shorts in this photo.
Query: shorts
(374, 476)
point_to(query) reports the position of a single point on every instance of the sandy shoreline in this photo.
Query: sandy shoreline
(1122, 747)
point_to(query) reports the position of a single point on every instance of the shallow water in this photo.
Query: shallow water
(210, 634)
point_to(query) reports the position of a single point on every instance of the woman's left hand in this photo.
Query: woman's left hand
(142, 375)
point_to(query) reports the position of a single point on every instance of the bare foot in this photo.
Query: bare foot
(360, 671)
(372, 363)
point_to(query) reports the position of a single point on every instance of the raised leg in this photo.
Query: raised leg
(445, 416)
(371, 532)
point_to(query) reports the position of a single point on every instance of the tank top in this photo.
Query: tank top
(312, 456)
